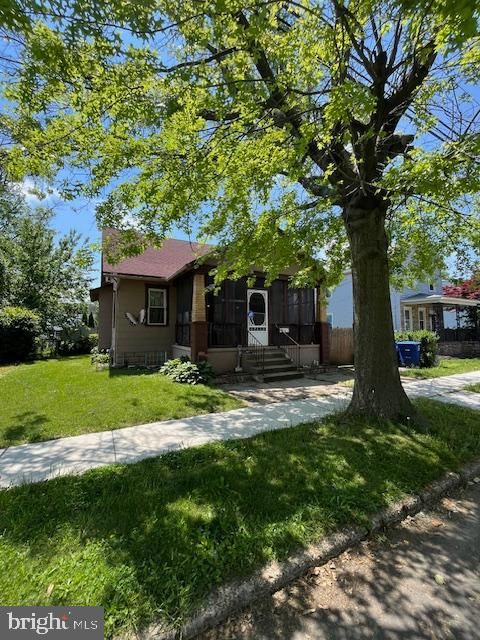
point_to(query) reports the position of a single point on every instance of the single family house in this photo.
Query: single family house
(163, 304)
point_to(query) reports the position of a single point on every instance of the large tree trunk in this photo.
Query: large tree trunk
(377, 390)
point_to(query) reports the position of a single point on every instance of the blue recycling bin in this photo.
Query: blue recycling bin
(408, 352)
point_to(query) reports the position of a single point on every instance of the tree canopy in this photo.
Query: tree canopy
(256, 120)
(38, 271)
(323, 133)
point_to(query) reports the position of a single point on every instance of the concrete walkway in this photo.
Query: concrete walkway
(77, 454)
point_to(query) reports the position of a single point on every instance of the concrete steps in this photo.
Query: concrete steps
(277, 366)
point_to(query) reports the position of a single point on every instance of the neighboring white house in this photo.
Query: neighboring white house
(405, 314)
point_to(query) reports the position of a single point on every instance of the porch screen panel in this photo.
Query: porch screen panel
(300, 314)
(278, 292)
(227, 314)
(184, 310)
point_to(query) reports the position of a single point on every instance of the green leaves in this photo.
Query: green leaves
(222, 116)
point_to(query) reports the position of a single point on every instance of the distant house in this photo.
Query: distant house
(162, 304)
(423, 307)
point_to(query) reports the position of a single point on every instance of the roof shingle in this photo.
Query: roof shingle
(166, 262)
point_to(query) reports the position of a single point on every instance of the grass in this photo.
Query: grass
(148, 541)
(66, 396)
(446, 367)
(473, 387)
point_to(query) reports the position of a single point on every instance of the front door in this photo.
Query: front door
(257, 316)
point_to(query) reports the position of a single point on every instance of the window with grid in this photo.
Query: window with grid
(157, 306)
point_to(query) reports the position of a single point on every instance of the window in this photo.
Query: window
(157, 306)
(407, 319)
(432, 287)
(421, 319)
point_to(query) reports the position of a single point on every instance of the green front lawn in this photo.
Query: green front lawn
(66, 396)
(446, 367)
(473, 387)
(148, 541)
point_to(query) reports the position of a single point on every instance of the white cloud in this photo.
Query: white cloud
(37, 193)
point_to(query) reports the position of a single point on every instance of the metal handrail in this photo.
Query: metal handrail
(285, 347)
(258, 352)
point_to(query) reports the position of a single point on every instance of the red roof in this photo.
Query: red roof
(166, 262)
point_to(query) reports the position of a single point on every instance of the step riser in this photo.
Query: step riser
(269, 362)
(278, 377)
(279, 369)
(267, 354)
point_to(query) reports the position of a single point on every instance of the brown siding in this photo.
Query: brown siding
(143, 338)
(105, 300)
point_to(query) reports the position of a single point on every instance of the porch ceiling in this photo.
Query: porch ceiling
(438, 299)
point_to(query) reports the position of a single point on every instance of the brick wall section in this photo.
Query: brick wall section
(198, 298)
(199, 325)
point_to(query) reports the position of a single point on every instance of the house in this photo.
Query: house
(421, 307)
(163, 304)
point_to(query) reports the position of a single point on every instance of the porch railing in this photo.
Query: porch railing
(257, 351)
(291, 349)
(458, 335)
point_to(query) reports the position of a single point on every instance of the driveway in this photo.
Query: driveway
(421, 581)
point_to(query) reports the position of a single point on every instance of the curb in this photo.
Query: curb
(237, 595)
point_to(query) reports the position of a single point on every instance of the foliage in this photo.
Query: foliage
(271, 115)
(19, 329)
(446, 367)
(475, 388)
(209, 514)
(99, 356)
(469, 289)
(77, 344)
(64, 396)
(43, 273)
(186, 372)
(428, 345)
(91, 321)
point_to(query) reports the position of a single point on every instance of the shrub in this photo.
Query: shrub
(186, 372)
(19, 330)
(428, 345)
(78, 344)
(99, 357)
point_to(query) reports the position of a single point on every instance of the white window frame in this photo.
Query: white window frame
(424, 319)
(409, 328)
(164, 307)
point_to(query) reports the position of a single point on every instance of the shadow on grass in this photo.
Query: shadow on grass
(179, 525)
(133, 371)
(28, 427)
(385, 591)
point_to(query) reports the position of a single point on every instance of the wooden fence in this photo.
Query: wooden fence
(341, 346)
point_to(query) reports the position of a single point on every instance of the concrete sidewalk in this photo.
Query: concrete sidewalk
(77, 454)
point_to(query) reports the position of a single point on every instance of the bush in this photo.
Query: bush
(186, 372)
(19, 330)
(428, 345)
(100, 357)
(78, 345)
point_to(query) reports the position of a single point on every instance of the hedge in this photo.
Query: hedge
(428, 345)
(19, 330)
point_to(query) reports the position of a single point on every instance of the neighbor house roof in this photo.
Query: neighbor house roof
(421, 298)
(166, 262)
